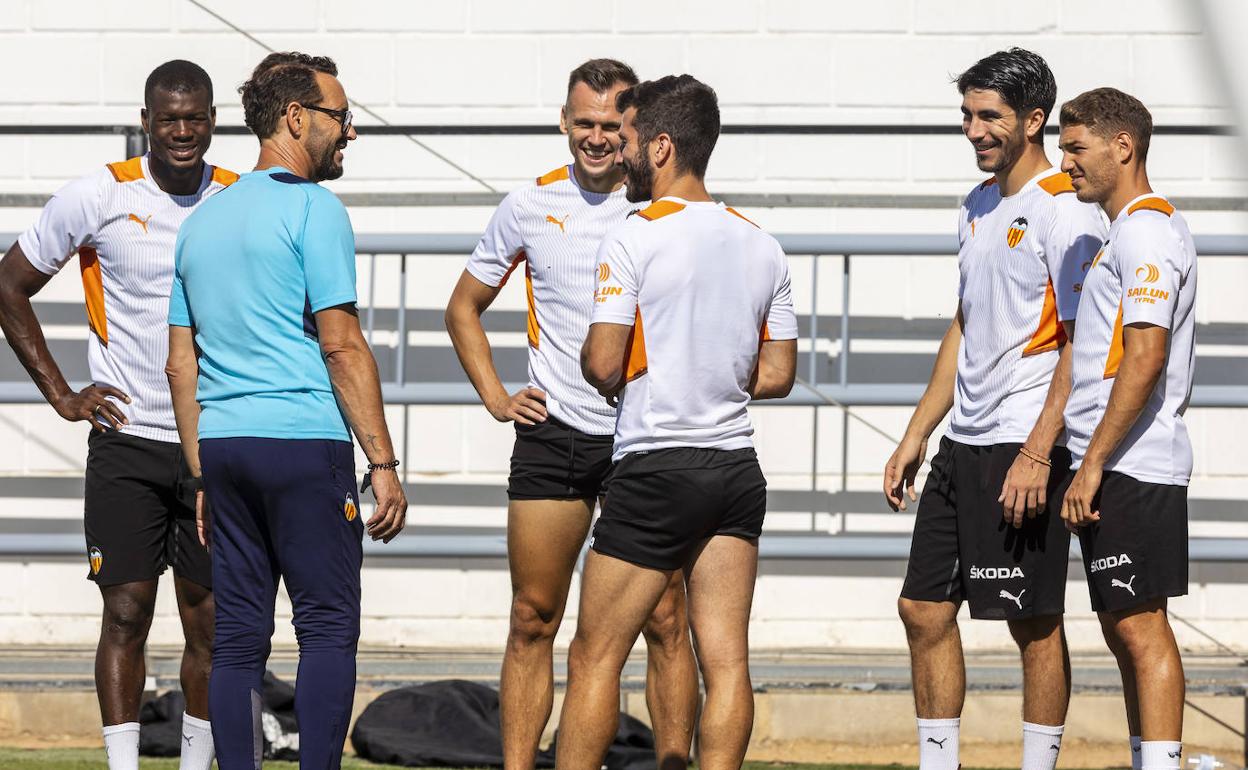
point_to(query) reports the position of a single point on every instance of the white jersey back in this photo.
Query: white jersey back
(1021, 260)
(1145, 274)
(702, 287)
(123, 227)
(554, 227)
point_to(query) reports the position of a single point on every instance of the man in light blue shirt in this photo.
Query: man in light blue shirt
(264, 292)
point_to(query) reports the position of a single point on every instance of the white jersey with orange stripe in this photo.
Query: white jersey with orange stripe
(554, 226)
(123, 227)
(1021, 260)
(1146, 273)
(701, 286)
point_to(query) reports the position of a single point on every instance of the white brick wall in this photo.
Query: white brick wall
(500, 61)
(420, 61)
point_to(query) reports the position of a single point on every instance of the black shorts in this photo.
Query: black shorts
(139, 512)
(662, 504)
(554, 461)
(963, 549)
(1138, 549)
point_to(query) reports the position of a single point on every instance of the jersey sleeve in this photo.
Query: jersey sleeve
(500, 246)
(781, 323)
(615, 299)
(328, 250)
(1076, 235)
(69, 221)
(965, 230)
(1153, 270)
(179, 308)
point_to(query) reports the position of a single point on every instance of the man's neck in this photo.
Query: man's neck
(685, 186)
(1031, 162)
(292, 158)
(602, 185)
(176, 181)
(1127, 190)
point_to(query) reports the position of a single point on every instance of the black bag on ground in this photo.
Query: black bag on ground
(456, 724)
(160, 734)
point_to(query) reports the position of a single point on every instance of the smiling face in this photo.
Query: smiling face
(179, 127)
(994, 129)
(326, 140)
(592, 124)
(1091, 161)
(634, 159)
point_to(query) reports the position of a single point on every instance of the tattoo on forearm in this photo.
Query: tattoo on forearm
(372, 440)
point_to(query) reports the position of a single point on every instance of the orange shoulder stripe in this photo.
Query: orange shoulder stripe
(660, 209)
(1114, 359)
(1152, 204)
(127, 170)
(731, 210)
(1057, 184)
(635, 363)
(223, 176)
(558, 175)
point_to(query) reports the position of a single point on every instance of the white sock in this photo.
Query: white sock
(938, 744)
(197, 748)
(121, 743)
(1137, 762)
(1160, 755)
(1041, 744)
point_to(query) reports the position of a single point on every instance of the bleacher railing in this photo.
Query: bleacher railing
(811, 391)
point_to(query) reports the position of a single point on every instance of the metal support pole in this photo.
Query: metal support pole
(844, 320)
(400, 350)
(812, 376)
(136, 142)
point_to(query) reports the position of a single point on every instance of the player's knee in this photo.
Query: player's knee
(127, 619)
(532, 621)
(667, 629)
(1141, 640)
(925, 620)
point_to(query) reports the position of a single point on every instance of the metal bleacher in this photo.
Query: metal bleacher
(831, 376)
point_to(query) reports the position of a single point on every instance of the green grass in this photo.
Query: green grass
(93, 759)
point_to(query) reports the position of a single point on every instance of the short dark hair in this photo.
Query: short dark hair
(682, 107)
(278, 80)
(1022, 78)
(1107, 112)
(601, 74)
(177, 76)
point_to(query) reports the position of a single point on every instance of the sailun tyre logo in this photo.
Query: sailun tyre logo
(1109, 562)
(349, 510)
(96, 557)
(995, 573)
(1147, 273)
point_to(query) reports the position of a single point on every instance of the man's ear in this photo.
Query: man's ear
(1035, 124)
(295, 117)
(143, 120)
(662, 150)
(563, 119)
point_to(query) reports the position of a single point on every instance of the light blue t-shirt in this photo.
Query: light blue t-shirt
(253, 263)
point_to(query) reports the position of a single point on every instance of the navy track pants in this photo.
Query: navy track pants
(283, 509)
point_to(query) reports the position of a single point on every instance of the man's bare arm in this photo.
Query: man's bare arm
(777, 368)
(182, 369)
(1143, 361)
(903, 466)
(470, 299)
(602, 357)
(19, 281)
(1025, 490)
(353, 373)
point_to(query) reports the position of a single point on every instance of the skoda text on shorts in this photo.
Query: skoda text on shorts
(121, 221)
(1132, 378)
(1004, 370)
(264, 291)
(550, 231)
(683, 356)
